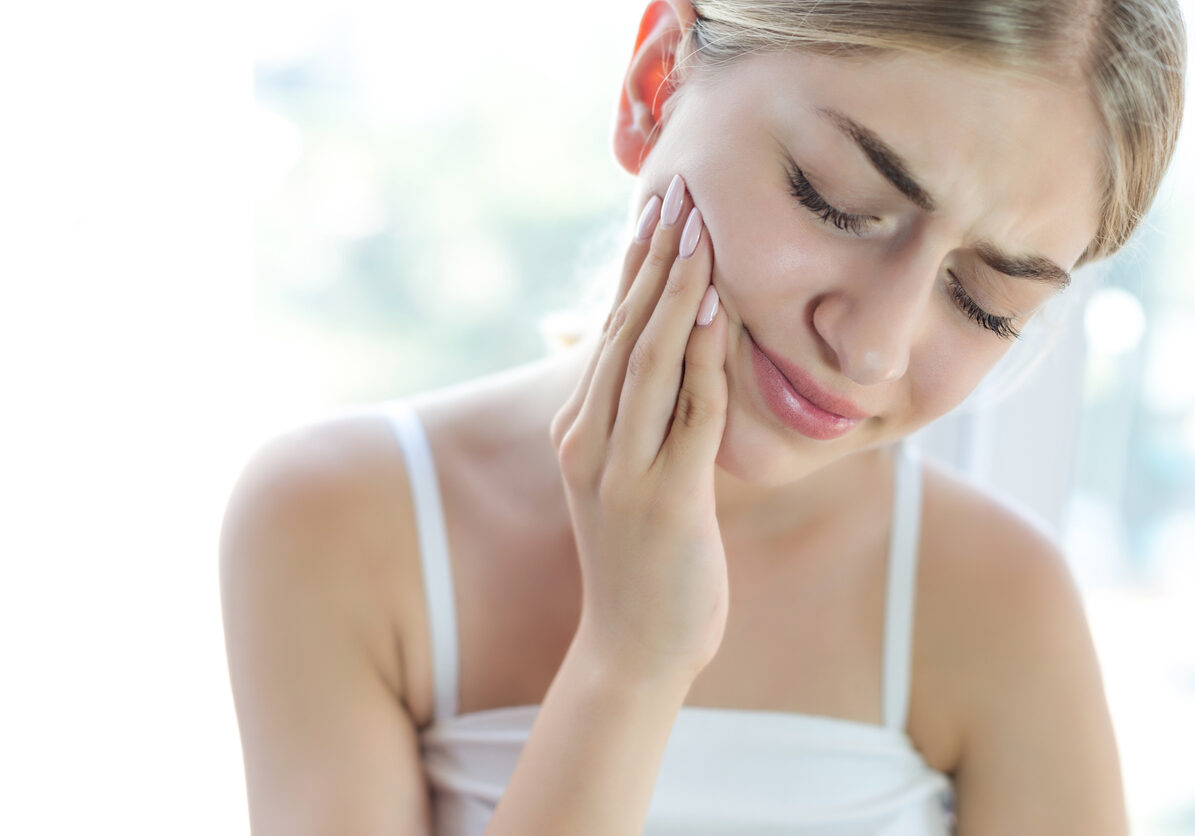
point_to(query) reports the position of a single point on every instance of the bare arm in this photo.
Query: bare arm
(1039, 754)
(329, 747)
(591, 761)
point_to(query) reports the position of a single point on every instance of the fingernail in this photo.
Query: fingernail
(672, 201)
(691, 233)
(709, 306)
(647, 221)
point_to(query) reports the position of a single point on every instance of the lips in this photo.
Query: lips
(792, 395)
(803, 383)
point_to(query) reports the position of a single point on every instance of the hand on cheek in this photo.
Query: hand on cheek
(636, 445)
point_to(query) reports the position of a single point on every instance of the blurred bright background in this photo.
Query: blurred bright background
(218, 222)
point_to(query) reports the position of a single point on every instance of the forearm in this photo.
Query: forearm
(594, 752)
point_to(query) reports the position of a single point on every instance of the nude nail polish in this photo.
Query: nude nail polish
(691, 234)
(647, 221)
(673, 201)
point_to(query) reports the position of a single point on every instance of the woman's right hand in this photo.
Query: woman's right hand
(636, 445)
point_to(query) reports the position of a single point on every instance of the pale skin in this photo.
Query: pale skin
(766, 546)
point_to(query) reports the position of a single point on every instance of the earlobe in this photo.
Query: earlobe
(647, 85)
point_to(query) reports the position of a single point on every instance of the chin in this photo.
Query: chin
(752, 452)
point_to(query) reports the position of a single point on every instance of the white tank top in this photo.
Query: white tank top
(724, 771)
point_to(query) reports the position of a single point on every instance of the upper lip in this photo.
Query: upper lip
(809, 389)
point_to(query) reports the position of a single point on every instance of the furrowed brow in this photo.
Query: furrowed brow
(895, 170)
(886, 161)
(1035, 267)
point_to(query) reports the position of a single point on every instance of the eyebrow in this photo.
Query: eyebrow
(895, 170)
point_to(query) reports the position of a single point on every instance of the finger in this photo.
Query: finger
(601, 404)
(633, 313)
(654, 370)
(632, 261)
(700, 418)
(638, 249)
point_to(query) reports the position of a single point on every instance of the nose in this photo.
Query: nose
(870, 319)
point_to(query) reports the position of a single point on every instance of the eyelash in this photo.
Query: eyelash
(815, 203)
(1001, 326)
(808, 197)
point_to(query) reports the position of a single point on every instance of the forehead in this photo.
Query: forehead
(1007, 158)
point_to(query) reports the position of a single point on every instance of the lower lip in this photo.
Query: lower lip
(791, 408)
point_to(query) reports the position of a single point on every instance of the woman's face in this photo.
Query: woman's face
(880, 296)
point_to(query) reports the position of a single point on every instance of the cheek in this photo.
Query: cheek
(767, 248)
(946, 368)
(768, 260)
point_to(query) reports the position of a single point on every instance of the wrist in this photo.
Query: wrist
(631, 665)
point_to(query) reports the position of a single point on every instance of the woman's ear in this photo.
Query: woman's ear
(648, 84)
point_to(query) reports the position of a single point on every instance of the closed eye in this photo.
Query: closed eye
(808, 197)
(1001, 326)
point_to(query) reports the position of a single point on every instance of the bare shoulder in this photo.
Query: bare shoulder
(333, 499)
(1009, 637)
(311, 590)
(984, 554)
(334, 489)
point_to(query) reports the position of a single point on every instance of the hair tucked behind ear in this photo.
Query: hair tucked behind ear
(1131, 54)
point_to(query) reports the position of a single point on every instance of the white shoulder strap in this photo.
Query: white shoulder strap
(902, 585)
(433, 553)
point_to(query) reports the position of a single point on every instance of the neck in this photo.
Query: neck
(777, 513)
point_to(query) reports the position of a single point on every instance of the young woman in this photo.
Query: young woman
(666, 581)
